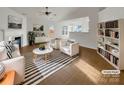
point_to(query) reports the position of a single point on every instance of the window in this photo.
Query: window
(77, 28)
(65, 30)
(76, 25)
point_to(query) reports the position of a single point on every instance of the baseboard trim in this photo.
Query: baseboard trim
(88, 47)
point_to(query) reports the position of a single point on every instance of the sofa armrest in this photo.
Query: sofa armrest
(74, 47)
(17, 64)
(17, 49)
(62, 43)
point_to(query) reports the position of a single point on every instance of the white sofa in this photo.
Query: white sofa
(69, 48)
(17, 63)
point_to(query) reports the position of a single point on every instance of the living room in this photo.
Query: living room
(60, 45)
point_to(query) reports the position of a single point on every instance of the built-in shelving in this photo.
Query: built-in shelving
(111, 42)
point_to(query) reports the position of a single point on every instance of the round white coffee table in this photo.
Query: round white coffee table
(45, 52)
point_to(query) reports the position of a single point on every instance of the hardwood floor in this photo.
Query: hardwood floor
(85, 70)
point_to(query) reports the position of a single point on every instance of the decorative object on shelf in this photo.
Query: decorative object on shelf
(41, 47)
(37, 27)
(14, 22)
(2, 70)
(31, 37)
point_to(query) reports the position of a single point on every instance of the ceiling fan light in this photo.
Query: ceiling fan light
(47, 13)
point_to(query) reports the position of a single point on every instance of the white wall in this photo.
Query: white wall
(4, 12)
(85, 39)
(111, 13)
(1, 35)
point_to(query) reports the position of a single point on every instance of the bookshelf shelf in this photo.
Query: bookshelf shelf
(111, 38)
(111, 42)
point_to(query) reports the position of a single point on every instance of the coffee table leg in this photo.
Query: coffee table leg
(35, 56)
(45, 57)
(50, 54)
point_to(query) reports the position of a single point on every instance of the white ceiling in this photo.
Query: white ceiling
(34, 12)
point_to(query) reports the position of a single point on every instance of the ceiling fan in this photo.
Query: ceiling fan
(47, 12)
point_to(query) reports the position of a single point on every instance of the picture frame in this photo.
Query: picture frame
(37, 27)
(14, 22)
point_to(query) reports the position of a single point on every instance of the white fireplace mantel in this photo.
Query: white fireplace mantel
(12, 37)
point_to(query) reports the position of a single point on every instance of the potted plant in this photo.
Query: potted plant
(31, 38)
(42, 47)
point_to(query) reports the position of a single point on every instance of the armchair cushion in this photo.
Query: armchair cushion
(66, 48)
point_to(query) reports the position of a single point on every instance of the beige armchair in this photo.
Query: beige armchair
(69, 48)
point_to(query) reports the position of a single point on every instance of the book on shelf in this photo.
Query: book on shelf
(115, 60)
(111, 33)
(112, 24)
(112, 58)
(111, 49)
(108, 56)
(101, 51)
(101, 25)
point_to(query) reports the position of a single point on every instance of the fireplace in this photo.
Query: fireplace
(18, 41)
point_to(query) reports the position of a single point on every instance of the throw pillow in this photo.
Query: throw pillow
(70, 41)
(9, 48)
(11, 45)
(2, 70)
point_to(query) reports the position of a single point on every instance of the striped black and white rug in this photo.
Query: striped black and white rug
(38, 70)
